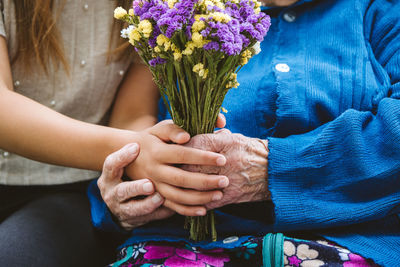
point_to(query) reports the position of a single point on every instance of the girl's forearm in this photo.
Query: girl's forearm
(34, 131)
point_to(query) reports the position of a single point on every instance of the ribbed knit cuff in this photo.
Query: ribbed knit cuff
(286, 198)
(102, 218)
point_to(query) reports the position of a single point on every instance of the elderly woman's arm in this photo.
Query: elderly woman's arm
(348, 170)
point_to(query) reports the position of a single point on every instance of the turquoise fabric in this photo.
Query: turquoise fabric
(273, 250)
(333, 126)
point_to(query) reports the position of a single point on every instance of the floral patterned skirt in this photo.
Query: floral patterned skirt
(297, 252)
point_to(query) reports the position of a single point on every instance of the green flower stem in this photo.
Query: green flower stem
(194, 104)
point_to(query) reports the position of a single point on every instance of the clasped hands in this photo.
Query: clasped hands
(172, 173)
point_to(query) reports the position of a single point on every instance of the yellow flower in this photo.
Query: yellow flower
(171, 3)
(205, 74)
(198, 17)
(198, 26)
(197, 41)
(145, 27)
(157, 49)
(177, 56)
(201, 72)
(221, 17)
(208, 3)
(189, 48)
(198, 67)
(161, 39)
(131, 12)
(245, 57)
(173, 47)
(167, 45)
(216, 3)
(232, 85)
(232, 81)
(120, 13)
(212, 3)
(197, 38)
(134, 36)
(257, 6)
(220, 5)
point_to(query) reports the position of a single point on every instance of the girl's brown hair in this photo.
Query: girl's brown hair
(39, 40)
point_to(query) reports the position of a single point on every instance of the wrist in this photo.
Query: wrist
(260, 169)
(107, 140)
(117, 138)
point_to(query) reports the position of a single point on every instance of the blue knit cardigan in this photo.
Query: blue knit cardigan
(325, 92)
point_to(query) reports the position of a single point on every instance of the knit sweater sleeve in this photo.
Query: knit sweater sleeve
(348, 170)
(101, 216)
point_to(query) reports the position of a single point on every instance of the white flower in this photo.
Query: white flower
(256, 48)
(137, 249)
(301, 255)
(125, 32)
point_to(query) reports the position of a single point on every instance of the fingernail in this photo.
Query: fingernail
(221, 161)
(217, 196)
(156, 198)
(133, 148)
(223, 182)
(182, 136)
(201, 212)
(148, 187)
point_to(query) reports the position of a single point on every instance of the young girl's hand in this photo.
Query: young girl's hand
(185, 192)
(121, 197)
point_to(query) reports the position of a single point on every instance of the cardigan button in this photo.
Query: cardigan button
(230, 239)
(282, 67)
(6, 154)
(289, 16)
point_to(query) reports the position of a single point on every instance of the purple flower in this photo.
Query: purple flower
(245, 27)
(225, 35)
(176, 18)
(157, 61)
(153, 39)
(211, 46)
(150, 9)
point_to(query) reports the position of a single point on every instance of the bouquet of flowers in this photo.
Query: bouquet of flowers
(194, 49)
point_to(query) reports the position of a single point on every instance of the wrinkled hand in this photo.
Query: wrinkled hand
(185, 192)
(120, 195)
(246, 166)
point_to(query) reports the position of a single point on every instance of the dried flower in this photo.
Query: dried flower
(194, 49)
(120, 13)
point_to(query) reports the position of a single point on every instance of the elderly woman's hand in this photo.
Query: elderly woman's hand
(121, 196)
(161, 154)
(246, 166)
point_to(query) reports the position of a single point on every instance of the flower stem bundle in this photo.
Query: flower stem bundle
(194, 49)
